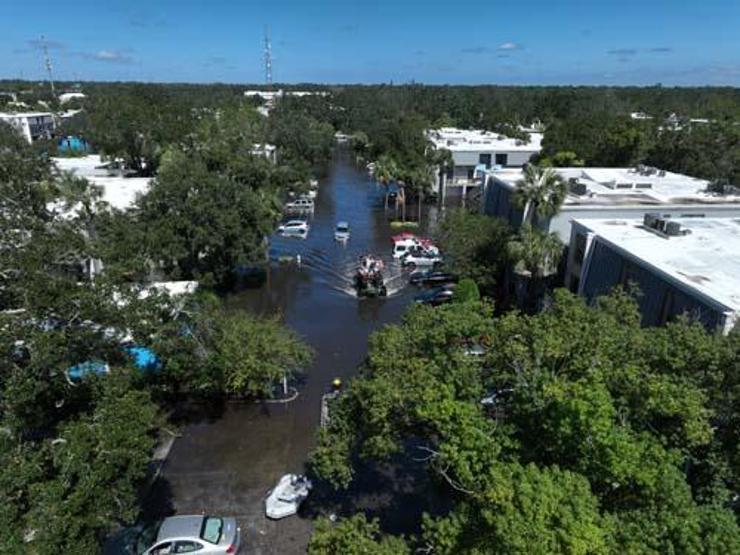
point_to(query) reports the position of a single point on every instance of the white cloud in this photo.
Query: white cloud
(509, 46)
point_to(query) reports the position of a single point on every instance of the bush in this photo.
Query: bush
(466, 291)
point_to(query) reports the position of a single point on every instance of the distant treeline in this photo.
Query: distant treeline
(592, 124)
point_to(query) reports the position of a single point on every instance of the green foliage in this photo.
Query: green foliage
(535, 253)
(540, 193)
(254, 354)
(562, 159)
(202, 224)
(353, 536)
(595, 442)
(522, 509)
(475, 246)
(466, 291)
(137, 123)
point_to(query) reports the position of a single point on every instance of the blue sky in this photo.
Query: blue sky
(674, 42)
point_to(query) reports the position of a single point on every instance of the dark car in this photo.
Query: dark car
(429, 277)
(436, 296)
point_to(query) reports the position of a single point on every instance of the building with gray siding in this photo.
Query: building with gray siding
(620, 193)
(680, 266)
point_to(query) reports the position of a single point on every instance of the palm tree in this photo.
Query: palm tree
(539, 193)
(535, 254)
(386, 170)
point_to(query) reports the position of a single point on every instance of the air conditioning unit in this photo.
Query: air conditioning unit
(650, 219)
(673, 229)
(576, 187)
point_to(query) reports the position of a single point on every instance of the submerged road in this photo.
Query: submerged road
(225, 464)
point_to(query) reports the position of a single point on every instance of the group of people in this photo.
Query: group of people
(370, 266)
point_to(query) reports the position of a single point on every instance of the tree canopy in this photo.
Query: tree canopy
(577, 432)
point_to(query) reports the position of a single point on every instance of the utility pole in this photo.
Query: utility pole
(268, 57)
(47, 63)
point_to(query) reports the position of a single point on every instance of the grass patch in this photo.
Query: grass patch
(400, 225)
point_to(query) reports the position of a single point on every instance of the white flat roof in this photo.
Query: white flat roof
(627, 186)
(476, 140)
(120, 192)
(707, 260)
(24, 114)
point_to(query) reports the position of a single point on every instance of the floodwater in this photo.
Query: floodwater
(226, 463)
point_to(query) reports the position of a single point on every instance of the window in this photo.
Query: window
(187, 547)
(485, 159)
(211, 531)
(471, 173)
(502, 159)
(162, 549)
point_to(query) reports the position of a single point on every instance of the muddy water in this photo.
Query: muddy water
(226, 463)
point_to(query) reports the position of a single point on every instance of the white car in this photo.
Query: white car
(302, 204)
(294, 228)
(419, 257)
(341, 232)
(402, 246)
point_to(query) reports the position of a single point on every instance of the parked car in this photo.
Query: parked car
(404, 242)
(341, 232)
(202, 534)
(301, 204)
(294, 228)
(431, 277)
(420, 257)
(436, 296)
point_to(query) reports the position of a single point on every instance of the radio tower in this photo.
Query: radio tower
(47, 63)
(268, 57)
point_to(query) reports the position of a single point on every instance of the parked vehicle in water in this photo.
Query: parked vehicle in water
(431, 277)
(369, 280)
(341, 231)
(294, 228)
(202, 534)
(404, 242)
(301, 204)
(420, 257)
(286, 498)
(436, 296)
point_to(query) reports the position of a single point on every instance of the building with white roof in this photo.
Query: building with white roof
(118, 191)
(597, 193)
(67, 96)
(681, 266)
(31, 125)
(271, 97)
(474, 151)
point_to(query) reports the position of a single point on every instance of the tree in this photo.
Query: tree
(200, 224)
(475, 246)
(255, 354)
(561, 438)
(353, 536)
(466, 291)
(562, 159)
(137, 123)
(540, 193)
(95, 465)
(535, 254)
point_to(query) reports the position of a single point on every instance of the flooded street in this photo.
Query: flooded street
(226, 463)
